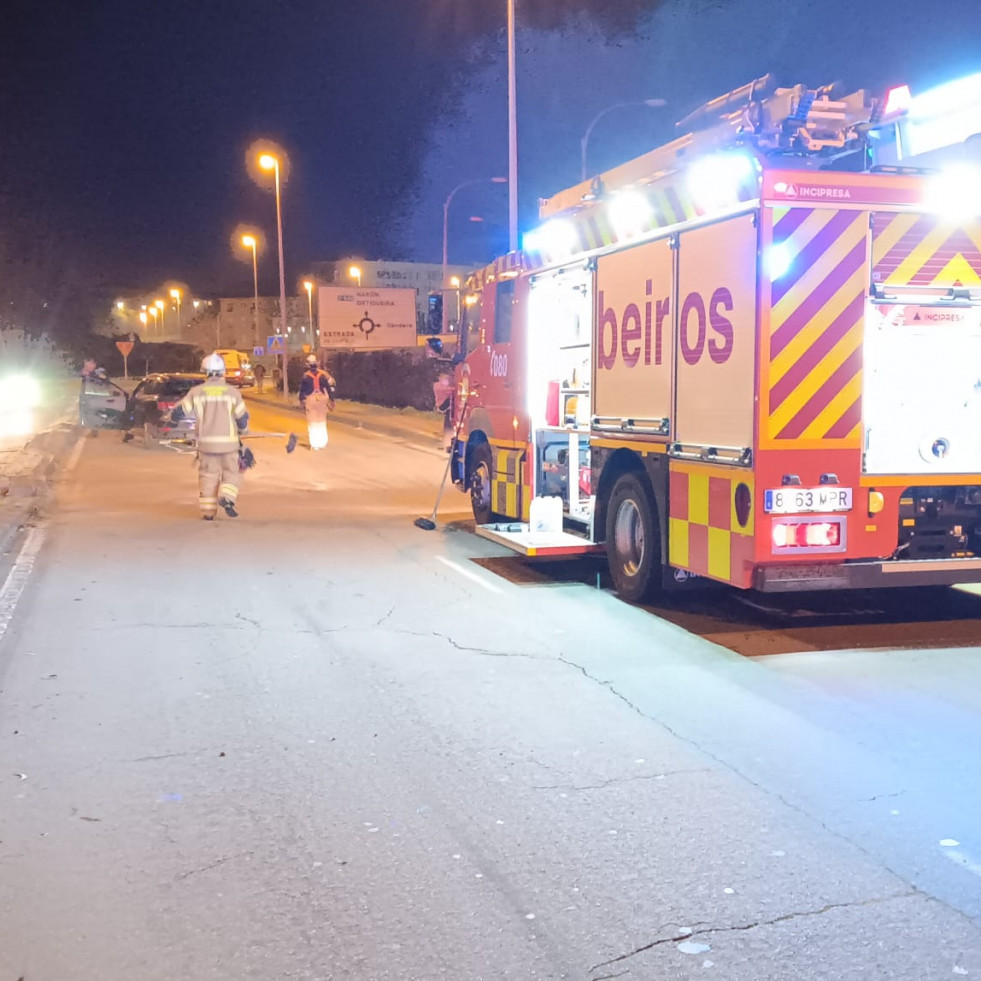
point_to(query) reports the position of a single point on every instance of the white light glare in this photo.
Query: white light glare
(944, 116)
(630, 213)
(779, 259)
(955, 193)
(19, 392)
(555, 239)
(714, 181)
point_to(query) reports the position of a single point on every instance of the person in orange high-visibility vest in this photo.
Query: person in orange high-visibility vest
(317, 399)
(221, 417)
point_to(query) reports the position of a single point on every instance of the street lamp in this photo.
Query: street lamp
(176, 295)
(446, 216)
(512, 137)
(308, 286)
(159, 304)
(143, 319)
(584, 142)
(154, 312)
(268, 162)
(250, 242)
(355, 273)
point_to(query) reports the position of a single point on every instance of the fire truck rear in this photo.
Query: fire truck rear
(749, 356)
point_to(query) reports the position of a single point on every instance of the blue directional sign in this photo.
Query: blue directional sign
(276, 344)
(258, 352)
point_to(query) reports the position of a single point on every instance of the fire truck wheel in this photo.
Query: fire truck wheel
(632, 540)
(481, 468)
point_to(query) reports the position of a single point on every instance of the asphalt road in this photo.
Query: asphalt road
(317, 742)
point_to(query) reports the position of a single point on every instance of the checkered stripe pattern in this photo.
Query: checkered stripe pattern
(506, 481)
(704, 535)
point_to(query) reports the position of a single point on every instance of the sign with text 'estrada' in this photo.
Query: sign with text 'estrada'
(367, 318)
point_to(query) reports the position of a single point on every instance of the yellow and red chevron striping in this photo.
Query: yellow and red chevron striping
(923, 250)
(816, 316)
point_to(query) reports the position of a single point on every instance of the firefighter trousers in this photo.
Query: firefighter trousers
(218, 477)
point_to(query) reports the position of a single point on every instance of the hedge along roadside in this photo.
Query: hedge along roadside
(398, 379)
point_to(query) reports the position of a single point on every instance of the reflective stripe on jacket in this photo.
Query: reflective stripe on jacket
(220, 413)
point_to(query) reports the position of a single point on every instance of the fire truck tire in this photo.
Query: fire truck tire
(633, 543)
(481, 468)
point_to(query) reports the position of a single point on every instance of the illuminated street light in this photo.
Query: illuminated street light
(176, 295)
(268, 162)
(154, 312)
(250, 243)
(584, 142)
(446, 216)
(355, 273)
(120, 304)
(308, 286)
(160, 305)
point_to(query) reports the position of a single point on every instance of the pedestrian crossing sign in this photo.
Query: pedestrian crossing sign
(276, 344)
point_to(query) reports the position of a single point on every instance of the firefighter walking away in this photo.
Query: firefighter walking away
(221, 418)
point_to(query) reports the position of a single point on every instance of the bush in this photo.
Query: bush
(398, 379)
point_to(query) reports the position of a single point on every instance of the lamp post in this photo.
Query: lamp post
(268, 162)
(355, 273)
(308, 286)
(143, 319)
(249, 242)
(446, 217)
(176, 295)
(653, 103)
(159, 304)
(512, 137)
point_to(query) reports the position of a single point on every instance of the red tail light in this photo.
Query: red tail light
(808, 536)
(166, 406)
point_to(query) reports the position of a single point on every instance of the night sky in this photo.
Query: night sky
(125, 125)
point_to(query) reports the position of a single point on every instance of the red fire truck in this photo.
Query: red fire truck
(750, 355)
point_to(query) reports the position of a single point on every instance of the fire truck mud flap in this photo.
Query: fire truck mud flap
(866, 575)
(519, 537)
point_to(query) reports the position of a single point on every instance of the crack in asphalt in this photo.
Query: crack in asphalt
(615, 780)
(743, 927)
(791, 805)
(165, 756)
(255, 623)
(212, 865)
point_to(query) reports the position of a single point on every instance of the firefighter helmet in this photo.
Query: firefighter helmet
(213, 364)
(312, 360)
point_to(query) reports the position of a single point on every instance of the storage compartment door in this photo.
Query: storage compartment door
(716, 338)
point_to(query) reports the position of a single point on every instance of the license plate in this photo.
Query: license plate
(807, 500)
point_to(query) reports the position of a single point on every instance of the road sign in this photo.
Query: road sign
(125, 347)
(276, 344)
(257, 352)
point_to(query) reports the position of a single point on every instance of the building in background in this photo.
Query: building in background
(229, 323)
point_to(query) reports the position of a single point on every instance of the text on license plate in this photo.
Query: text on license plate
(801, 500)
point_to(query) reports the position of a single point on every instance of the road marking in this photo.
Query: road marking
(16, 580)
(467, 574)
(76, 453)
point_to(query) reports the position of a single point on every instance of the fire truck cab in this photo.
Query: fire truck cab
(750, 356)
